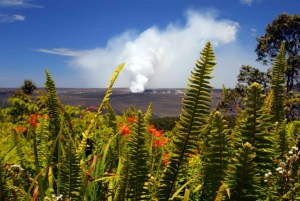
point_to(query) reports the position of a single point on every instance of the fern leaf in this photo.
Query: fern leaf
(70, 181)
(255, 128)
(216, 157)
(196, 109)
(104, 102)
(52, 105)
(243, 178)
(148, 113)
(135, 170)
(278, 85)
(139, 156)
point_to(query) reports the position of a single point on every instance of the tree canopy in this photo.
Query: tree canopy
(28, 87)
(285, 28)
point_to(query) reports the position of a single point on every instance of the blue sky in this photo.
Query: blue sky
(81, 42)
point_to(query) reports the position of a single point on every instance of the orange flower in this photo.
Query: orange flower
(131, 119)
(155, 132)
(125, 130)
(151, 128)
(155, 143)
(34, 123)
(165, 158)
(33, 119)
(160, 143)
(163, 141)
(19, 128)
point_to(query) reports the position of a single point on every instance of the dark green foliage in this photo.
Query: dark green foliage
(70, 180)
(249, 75)
(4, 187)
(285, 28)
(139, 156)
(28, 87)
(165, 123)
(243, 176)
(216, 156)
(231, 120)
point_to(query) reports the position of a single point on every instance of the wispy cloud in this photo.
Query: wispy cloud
(246, 2)
(4, 18)
(61, 51)
(253, 32)
(157, 58)
(18, 3)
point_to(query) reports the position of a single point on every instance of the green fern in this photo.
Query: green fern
(278, 85)
(243, 177)
(135, 170)
(196, 109)
(53, 105)
(148, 113)
(139, 157)
(70, 180)
(216, 157)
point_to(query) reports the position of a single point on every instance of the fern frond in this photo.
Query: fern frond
(52, 104)
(243, 178)
(216, 157)
(5, 190)
(278, 85)
(268, 100)
(42, 137)
(194, 114)
(104, 102)
(139, 157)
(148, 113)
(124, 181)
(255, 128)
(70, 180)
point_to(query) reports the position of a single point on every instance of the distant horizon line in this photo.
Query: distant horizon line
(99, 88)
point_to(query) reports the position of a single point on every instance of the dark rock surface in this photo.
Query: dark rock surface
(166, 102)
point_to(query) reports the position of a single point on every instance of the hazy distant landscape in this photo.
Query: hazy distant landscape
(166, 102)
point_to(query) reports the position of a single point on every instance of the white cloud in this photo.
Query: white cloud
(253, 32)
(246, 2)
(61, 51)
(18, 3)
(157, 58)
(4, 18)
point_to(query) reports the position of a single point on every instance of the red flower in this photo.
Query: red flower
(131, 119)
(155, 143)
(33, 119)
(160, 143)
(163, 141)
(155, 132)
(125, 130)
(19, 128)
(34, 123)
(165, 157)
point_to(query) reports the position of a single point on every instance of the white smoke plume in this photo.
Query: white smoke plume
(154, 57)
